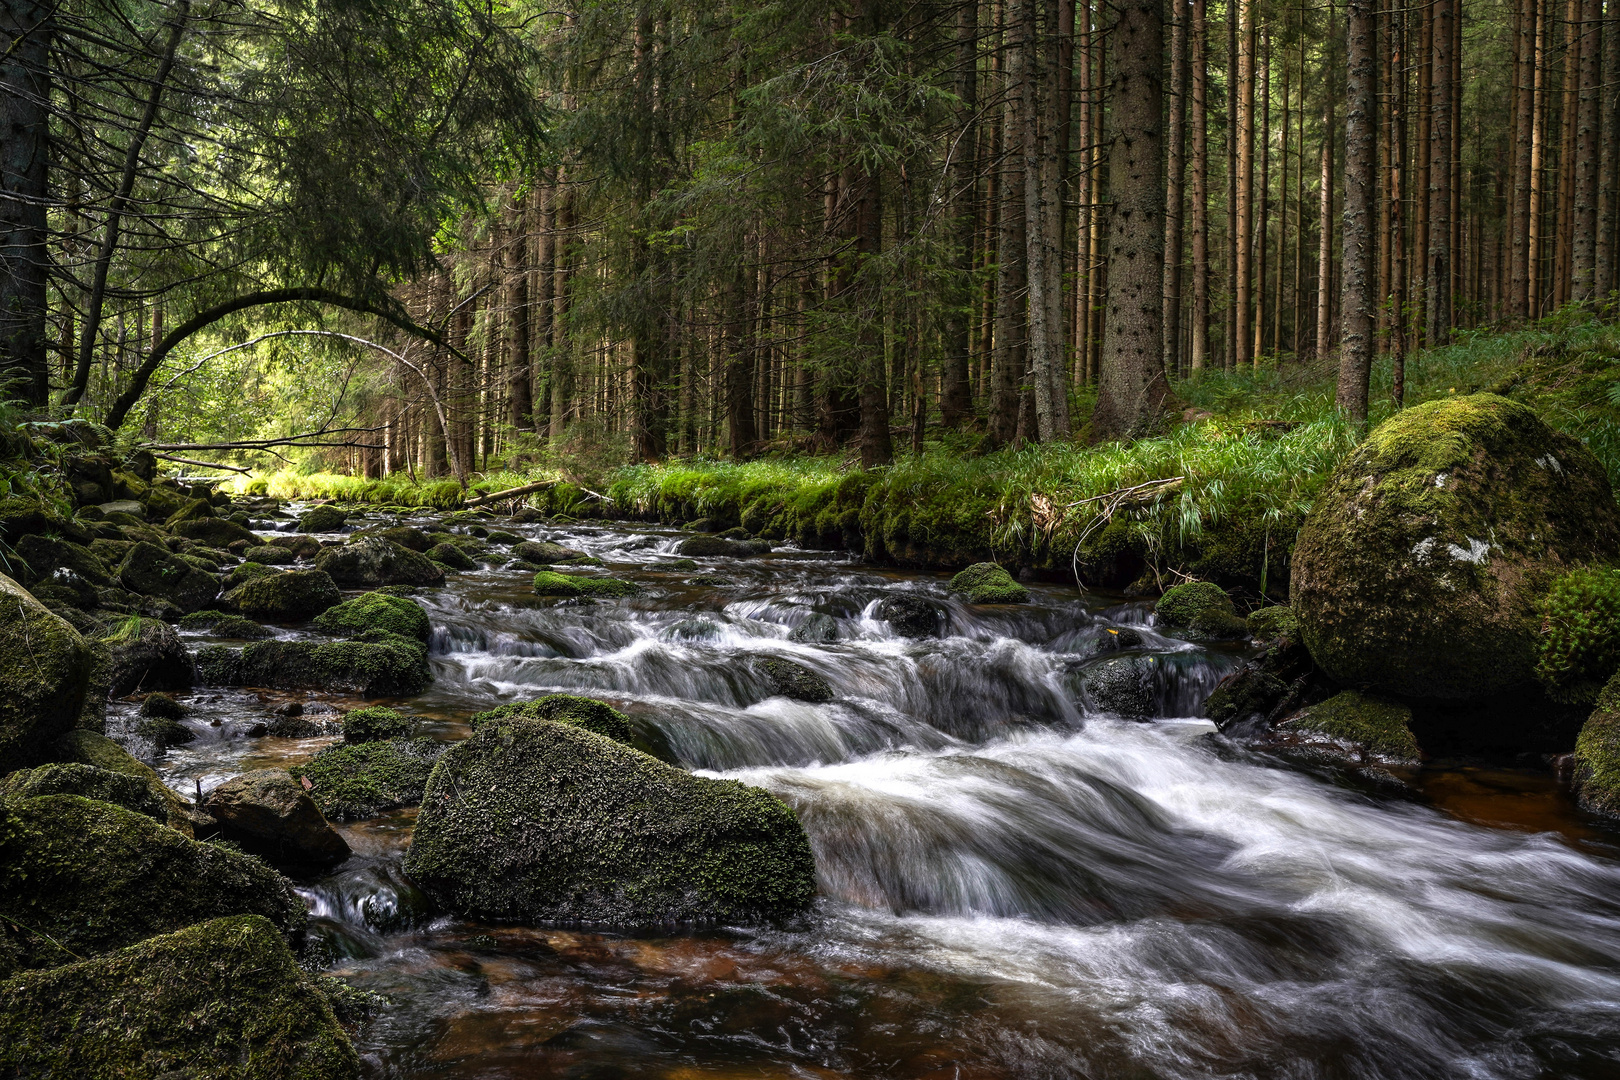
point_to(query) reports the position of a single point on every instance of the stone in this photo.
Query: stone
(818, 629)
(153, 571)
(1121, 686)
(355, 781)
(1271, 623)
(98, 751)
(88, 782)
(709, 546)
(45, 669)
(165, 733)
(582, 712)
(909, 616)
(390, 666)
(269, 813)
(989, 583)
(215, 532)
(270, 555)
(413, 539)
(223, 998)
(321, 519)
(551, 583)
(145, 654)
(372, 561)
(792, 680)
(374, 724)
(1200, 611)
(286, 597)
(193, 509)
(1596, 778)
(162, 707)
(1366, 729)
(302, 545)
(544, 553)
(539, 821)
(451, 557)
(376, 611)
(1418, 571)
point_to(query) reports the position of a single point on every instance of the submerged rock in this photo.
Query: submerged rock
(706, 546)
(268, 813)
(792, 680)
(1418, 570)
(1352, 729)
(87, 877)
(354, 781)
(296, 594)
(372, 561)
(146, 654)
(1200, 611)
(537, 821)
(221, 999)
(165, 733)
(989, 583)
(818, 629)
(1121, 685)
(44, 677)
(909, 616)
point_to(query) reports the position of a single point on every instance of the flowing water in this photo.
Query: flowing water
(1012, 883)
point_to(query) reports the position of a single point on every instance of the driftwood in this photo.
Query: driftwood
(510, 493)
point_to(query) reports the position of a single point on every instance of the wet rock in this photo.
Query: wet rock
(189, 510)
(537, 821)
(145, 654)
(375, 724)
(21, 516)
(88, 877)
(413, 539)
(582, 712)
(792, 680)
(90, 748)
(246, 572)
(1349, 729)
(301, 545)
(710, 580)
(62, 560)
(1121, 686)
(698, 629)
(451, 557)
(269, 813)
(390, 666)
(706, 546)
(1271, 623)
(1596, 773)
(228, 626)
(376, 611)
(989, 583)
(1418, 570)
(355, 781)
(162, 707)
(500, 536)
(818, 629)
(1119, 638)
(45, 669)
(321, 519)
(1276, 683)
(1200, 611)
(165, 733)
(372, 561)
(296, 594)
(154, 571)
(161, 501)
(215, 532)
(909, 616)
(88, 782)
(270, 555)
(223, 998)
(545, 553)
(551, 583)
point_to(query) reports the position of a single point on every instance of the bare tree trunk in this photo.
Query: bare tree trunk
(26, 30)
(1229, 333)
(562, 355)
(876, 445)
(1131, 388)
(1174, 219)
(1324, 249)
(1538, 153)
(519, 373)
(1011, 267)
(1583, 249)
(1261, 209)
(956, 393)
(1567, 114)
(1524, 103)
(1243, 218)
(1608, 158)
(1200, 185)
(1360, 209)
(1438, 287)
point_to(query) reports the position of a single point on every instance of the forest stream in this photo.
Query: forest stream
(1012, 883)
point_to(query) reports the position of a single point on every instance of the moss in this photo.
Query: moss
(582, 712)
(154, 571)
(989, 583)
(45, 669)
(450, 556)
(296, 594)
(86, 877)
(389, 667)
(189, 510)
(534, 820)
(1200, 610)
(145, 654)
(223, 999)
(321, 519)
(270, 555)
(246, 572)
(1578, 649)
(1597, 754)
(411, 539)
(1379, 729)
(302, 546)
(373, 561)
(216, 532)
(1419, 569)
(162, 707)
(89, 782)
(376, 611)
(1270, 623)
(165, 733)
(353, 781)
(544, 553)
(374, 724)
(551, 583)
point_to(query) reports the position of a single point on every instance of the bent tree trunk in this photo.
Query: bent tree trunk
(25, 33)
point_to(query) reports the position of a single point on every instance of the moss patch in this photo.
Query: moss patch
(1270, 623)
(551, 583)
(297, 594)
(989, 583)
(88, 781)
(1378, 729)
(582, 712)
(354, 781)
(375, 611)
(1579, 646)
(45, 670)
(1597, 754)
(375, 723)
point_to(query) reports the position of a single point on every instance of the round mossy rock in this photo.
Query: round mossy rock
(451, 557)
(296, 594)
(354, 781)
(989, 583)
(88, 782)
(154, 571)
(376, 611)
(551, 583)
(45, 669)
(1271, 623)
(792, 680)
(1418, 571)
(215, 532)
(374, 724)
(1200, 610)
(321, 519)
(582, 712)
(372, 561)
(537, 821)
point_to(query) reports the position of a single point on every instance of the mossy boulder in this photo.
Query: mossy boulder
(372, 561)
(98, 751)
(1375, 729)
(1201, 611)
(793, 680)
(989, 583)
(389, 666)
(59, 559)
(246, 572)
(45, 669)
(1597, 754)
(162, 707)
(88, 877)
(376, 611)
(301, 545)
(413, 539)
(1271, 623)
(21, 515)
(228, 626)
(145, 654)
(544, 553)
(269, 813)
(451, 557)
(708, 546)
(909, 616)
(154, 571)
(165, 733)
(162, 501)
(296, 594)
(355, 781)
(222, 999)
(215, 532)
(1418, 571)
(270, 555)
(539, 821)
(189, 510)
(551, 583)
(89, 782)
(582, 712)
(321, 519)
(374, 724)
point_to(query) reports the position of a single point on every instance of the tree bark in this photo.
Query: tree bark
(1524, 103)
(1583, 248)
(1175, 211)
(956, 390)
(519, 363)
(1538, 153)
(26, 29)
(1360, 209)
(1200, 185)
(1243, 216)
(1324, 249)
(1608, 159)
(1437, 288)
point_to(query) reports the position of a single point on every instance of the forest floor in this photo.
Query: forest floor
(1219, 495)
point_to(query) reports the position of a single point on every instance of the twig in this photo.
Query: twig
(1124, 491)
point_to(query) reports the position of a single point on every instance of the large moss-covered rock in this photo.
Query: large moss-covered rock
(53, 557)
(354, 781)
(376, 611)
(98, 751)
(545, 553)
(145, 654)
(372, 561)
(708, 546)
(1374, 730)
(375, 724)
(1200, 610)
(534, 820)
(551, 583)
(321, 519)
(301, 546)
(989, 583)
(404, 536)
(215, 532)
(1597, 754)
(268, 813)
(296, 594)
(223, 1000)
(87, 877)
(1418, 571)
(270, 555)
(391, 666)
(1271, 623)
(227, 626)
(582, 712)
(45, 669)
(451, 557)
(191, 510)
(21, 515)
(87, 781)
(153, 571)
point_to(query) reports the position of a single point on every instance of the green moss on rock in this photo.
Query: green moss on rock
(89, 782)
(389, 667)
(372, 561)
(153, 571)
(374, 724)
(1597, 754)
(451, 557)
(165, 733)
(537, 821)
(246, 572)
(1578, 649)
(296, 594)
(145, 654)
(1200, 610)
(582, 712)
(270, 555)
(224, 999)
(354, 781)
(98, 751)
(793, 680)
(45, 669)
(989, 583)
(321, 519)
(1419, 569)
(1276, 621)
(1377, 729)
(215, 532)
(551, 583)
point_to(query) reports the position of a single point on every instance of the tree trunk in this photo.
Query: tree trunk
(1437, 289)
(1608, 159)
(1229, 334)
(1360, 209)
(26, 28)
(1243, 218)
(1174, 188)
(1524, 103)
(1131, 388)
(1538, 153)
(519, 373)
(956, 392)
(876, 446)
(1010, 331)
(1583, 248)
(1324, 250)
(561, 351)
(1200, 185)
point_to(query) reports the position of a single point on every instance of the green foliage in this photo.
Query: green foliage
(1579, 647)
